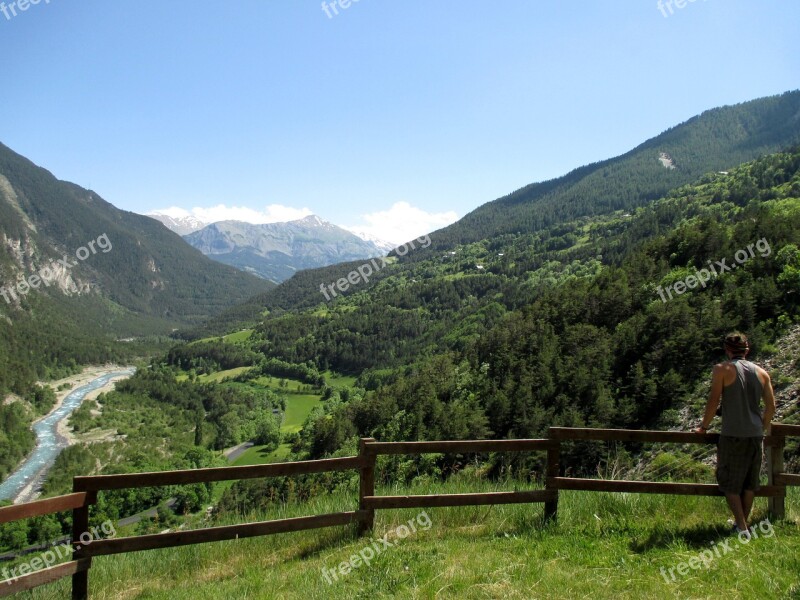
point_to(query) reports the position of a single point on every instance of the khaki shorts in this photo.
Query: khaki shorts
(739, 463)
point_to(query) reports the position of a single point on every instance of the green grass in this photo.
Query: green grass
(220, 375)
(603, 546)
(298, 408)
(239, 336)
(339, 381)
(293, 386)
(260, 455)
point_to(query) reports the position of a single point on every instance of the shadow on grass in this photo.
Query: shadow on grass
(333, 538)
(699, 536)
(694, 537)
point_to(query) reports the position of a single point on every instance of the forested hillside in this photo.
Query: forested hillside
(716, 140)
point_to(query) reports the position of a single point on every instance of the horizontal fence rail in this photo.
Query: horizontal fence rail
(17, 512)
(460, 447)
(45, 576)
(785, 430)
(631, 435)
(641, 435)
(85, 491)
(442, 500)
(93, 484)
(139, 480)
(217, 534)
(650, 487)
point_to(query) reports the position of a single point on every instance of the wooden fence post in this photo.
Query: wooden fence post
(80, 525)
(366, 518)
(777, 504)
(553, 459)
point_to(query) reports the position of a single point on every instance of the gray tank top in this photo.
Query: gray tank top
(741, 402)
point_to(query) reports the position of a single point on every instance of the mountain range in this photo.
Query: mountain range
(182, 225)
(276, 251)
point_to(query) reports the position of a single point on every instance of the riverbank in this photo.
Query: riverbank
(61, 431)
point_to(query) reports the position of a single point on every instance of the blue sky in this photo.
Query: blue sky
(392, 116)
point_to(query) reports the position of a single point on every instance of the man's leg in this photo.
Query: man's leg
(747, 503)
(752, 480)
(735, 504)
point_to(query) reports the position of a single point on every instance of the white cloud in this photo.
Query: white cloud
(175, 212)
(273, 213)
(402, 223)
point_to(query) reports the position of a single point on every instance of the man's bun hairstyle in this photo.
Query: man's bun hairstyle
(737, 343)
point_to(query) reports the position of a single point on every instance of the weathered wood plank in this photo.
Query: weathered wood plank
(649, 487)
(41, 507)
(553, 470)
(440, 500)
(217, 534)
(366, 485)
(138, 480)
(787, 479)
(459, 446)
(44, 576)
(632, 435)
(784, 430)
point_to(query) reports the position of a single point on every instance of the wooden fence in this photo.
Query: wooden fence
(85, 491)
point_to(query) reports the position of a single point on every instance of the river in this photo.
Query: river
(49, 443)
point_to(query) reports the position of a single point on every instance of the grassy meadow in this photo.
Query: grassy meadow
(603, 546)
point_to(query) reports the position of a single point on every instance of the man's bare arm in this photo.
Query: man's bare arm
(714, 398)
(769, 402)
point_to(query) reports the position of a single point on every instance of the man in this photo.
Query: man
(739, 385)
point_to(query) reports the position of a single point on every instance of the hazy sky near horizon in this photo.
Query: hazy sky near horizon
(396, 117)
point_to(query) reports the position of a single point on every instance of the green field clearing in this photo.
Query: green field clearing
(239, 336)
(220, 375)
(339, 381)
(298, 407)
(299, 404)
(293, 386)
